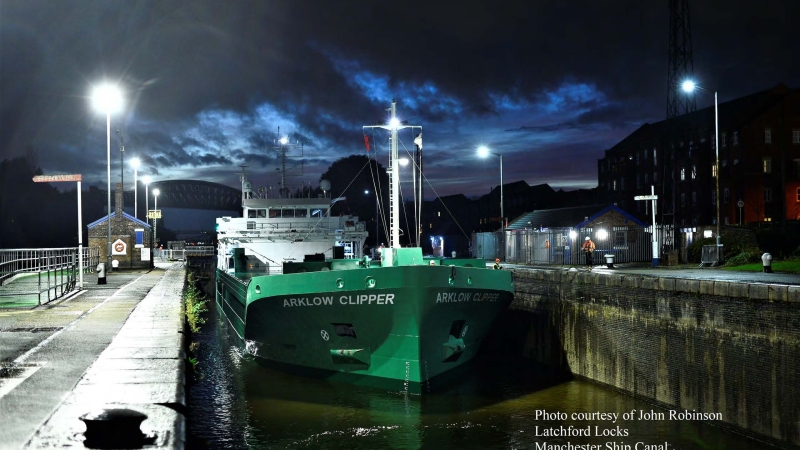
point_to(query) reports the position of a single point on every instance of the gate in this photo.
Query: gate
(563, 246)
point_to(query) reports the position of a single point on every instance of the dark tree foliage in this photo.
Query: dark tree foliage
(37, 215)
(350, 177)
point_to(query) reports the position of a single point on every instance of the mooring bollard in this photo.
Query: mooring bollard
(115, 428)
(766, 259)
(101, 273)
(609, 260)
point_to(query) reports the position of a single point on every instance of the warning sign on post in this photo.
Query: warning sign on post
(119, 247)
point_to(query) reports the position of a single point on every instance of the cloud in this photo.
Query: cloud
(208, 84)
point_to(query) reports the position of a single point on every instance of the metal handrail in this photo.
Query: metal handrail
(56, 271)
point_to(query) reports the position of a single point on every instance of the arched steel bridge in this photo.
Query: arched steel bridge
(189, 194)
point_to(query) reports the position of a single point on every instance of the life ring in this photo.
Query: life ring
(547, 243)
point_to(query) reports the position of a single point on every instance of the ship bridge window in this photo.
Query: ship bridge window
(316, 213)
(274, 212)
(301, 212)
(287, 212)
(256, 213)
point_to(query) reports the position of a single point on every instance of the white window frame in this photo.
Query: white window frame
(724, 140)
(795, 136)
(767, 135)
(767, 164)
(767, 195)
(694, 171)
(683, 173)
(624, 235)
(735, 138)
(726, 195)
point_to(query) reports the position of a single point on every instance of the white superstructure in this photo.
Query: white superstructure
(278, 230)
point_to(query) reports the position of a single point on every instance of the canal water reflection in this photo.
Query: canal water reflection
(235, 403)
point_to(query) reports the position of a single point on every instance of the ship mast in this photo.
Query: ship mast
(284, 146)
(394, 178)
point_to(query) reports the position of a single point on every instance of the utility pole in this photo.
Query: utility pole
(122, 165)
(680, 68)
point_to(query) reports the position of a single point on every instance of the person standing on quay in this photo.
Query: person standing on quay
(588, 249)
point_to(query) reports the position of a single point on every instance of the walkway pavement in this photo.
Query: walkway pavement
(685, 272)
(118, 345)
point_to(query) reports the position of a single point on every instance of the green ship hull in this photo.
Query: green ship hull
(400, 327)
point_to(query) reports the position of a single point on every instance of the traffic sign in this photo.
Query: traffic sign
(56, 178)
(154, 214)
(646, 197)
(740, 203)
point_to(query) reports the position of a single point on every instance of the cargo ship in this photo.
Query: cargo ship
(299, 295)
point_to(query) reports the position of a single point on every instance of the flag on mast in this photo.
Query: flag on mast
(418, 141)
(366, 142)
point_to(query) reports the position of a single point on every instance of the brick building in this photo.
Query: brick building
(759, 163)
(129, 237)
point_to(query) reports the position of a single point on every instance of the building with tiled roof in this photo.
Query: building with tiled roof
(131, 242)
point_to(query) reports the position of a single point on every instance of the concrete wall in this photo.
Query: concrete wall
(710, 346)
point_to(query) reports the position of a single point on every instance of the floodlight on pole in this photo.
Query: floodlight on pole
(146, 180)
(107, 98)
(689, 86)
(135, 163)
(155, 218)
(483, 152)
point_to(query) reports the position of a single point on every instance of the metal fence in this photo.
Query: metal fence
(43, 274)
(564, 245)
(182, 254)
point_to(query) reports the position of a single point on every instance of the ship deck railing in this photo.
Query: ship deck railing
(326, 225)
(294, 228)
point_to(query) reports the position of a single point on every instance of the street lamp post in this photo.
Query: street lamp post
(155, 215)
(484, 152)
(122, 165)
(107, 98)
(146, 180)
(135, 163)
(689, 87)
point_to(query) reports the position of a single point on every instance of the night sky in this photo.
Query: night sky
(550, 85)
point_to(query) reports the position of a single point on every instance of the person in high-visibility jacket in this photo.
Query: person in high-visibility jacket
(588, 250)
(497, 265)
